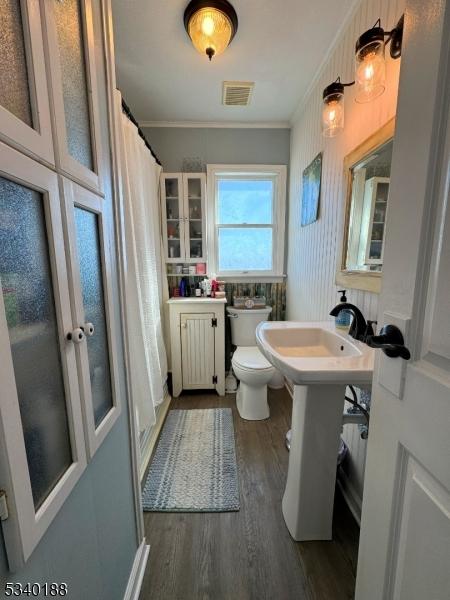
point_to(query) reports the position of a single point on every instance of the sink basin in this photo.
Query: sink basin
(315, 353)
(321, 361)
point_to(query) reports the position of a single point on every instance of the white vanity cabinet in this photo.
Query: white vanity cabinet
(197, 338)
(183, 215)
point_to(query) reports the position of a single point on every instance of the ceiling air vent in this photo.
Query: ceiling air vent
(237, 93)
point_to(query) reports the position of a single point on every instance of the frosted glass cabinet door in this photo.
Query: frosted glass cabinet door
(88, 240)
(24, 108)
(72, 67)
(40, 414)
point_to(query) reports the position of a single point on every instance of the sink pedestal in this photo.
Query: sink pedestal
(316, 430)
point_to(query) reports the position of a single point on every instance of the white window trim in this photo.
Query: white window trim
(278, 173)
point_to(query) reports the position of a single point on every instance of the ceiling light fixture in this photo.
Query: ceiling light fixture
(211, 25)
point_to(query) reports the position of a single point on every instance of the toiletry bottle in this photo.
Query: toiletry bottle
(344, 317)
(183, 287)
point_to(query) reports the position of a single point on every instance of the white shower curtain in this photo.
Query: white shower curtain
(143, 276)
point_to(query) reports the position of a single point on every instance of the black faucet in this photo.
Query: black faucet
(358, 328)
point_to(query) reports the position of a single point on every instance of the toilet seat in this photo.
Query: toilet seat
(250, 358)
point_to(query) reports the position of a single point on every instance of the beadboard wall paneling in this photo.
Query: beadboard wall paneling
(313, 250)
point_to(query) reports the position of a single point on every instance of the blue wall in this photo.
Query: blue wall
(219, 145)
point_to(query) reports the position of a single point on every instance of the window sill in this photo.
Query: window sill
(251, 278)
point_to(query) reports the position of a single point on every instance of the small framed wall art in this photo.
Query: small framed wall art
(312, 177)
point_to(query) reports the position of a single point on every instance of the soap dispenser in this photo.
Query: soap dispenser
(344, 317)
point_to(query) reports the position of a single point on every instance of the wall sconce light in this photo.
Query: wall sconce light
(370, 64)
(370, 74)
(333, 108)
(211, 25)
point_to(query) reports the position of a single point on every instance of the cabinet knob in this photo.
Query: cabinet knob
(88, 329)
(76, 336)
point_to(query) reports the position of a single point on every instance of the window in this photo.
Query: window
(246, 207)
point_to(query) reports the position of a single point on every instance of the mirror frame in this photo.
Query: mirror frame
(359, 280)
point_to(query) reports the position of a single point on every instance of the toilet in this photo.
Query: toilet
(251, 368)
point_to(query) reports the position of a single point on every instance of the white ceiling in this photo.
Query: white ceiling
(279, 45)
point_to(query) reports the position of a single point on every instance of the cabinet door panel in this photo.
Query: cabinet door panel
(172, 210)
(41, 431)
(69, 31)
(87, 236)
(71, 62)
(197, 351)
(24, 105)
(33, 334)
(194, 211)
(14, 86)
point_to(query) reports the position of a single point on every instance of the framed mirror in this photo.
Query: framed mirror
(367, 172)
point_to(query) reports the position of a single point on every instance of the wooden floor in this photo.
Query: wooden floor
(249, 554)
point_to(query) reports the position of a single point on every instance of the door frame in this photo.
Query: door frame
(114, 103)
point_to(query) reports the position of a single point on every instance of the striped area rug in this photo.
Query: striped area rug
(194, 467)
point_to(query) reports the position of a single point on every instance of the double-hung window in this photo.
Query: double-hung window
(246, 220)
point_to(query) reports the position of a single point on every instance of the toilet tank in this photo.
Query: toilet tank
(243, 324)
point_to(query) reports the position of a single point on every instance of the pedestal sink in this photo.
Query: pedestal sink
(320, 361)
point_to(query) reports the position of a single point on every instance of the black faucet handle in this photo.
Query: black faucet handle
(370, 329)
(390, 341)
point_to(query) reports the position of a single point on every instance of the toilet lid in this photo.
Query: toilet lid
(250, 357)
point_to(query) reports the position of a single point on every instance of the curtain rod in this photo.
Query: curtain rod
(126, 109)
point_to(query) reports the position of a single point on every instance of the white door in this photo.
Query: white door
(198, 350)
(405, 530)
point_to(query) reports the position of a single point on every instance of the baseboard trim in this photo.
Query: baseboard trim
(351, 497)
(137, 572)
(146, 452)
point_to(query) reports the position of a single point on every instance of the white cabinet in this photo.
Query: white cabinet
(58, 354)
(197, 336)
(183, 214)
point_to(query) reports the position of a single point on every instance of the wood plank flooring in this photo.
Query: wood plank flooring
(249, 555)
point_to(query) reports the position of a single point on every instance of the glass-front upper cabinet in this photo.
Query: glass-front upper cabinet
(90, 269)
(194, 211)
(71, 54)
(377, 193)
(183, 213)
(41, 430)
(24, 104)
(173, 215)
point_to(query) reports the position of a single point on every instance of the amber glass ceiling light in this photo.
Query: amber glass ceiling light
(211, 25)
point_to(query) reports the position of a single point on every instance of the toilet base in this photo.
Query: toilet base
(251, 402)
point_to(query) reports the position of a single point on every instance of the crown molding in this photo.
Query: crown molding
(219, 124)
